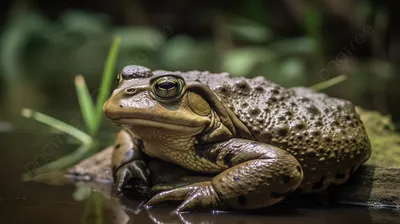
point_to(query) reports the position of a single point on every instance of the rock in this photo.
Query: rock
(375, 184)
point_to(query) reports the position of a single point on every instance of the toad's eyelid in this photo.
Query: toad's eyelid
(153, 79)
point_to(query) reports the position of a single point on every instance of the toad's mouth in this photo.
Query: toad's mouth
(155, 117)
(156, 124)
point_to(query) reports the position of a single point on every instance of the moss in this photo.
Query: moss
(385, 141)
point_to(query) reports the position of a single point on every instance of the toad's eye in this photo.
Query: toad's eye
(167, 87)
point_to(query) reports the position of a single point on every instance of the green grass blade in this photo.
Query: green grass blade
(328, 83)
(62, 163)
(108, 77)
(86, 104)
(52, 122)
(98, 205)
(86, 210)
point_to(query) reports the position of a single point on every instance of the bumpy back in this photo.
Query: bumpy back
(316, 129)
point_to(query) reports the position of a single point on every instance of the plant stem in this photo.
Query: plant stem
(328, 83)
(86, 104)
(52, 122)
(106, 81)
(61, 163)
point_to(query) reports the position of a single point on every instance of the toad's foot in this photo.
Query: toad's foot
(132, 179)
(195, 196)
(130, 172)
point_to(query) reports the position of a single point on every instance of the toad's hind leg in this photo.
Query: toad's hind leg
(259, 175)
(258, 183)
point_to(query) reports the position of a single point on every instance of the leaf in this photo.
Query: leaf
(328, 83)
(62, 126)
(107, 79)
(86, 104)
(61, 163)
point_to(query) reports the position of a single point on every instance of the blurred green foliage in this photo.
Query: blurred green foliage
(44, 52)
(92, 115)
(78, 41)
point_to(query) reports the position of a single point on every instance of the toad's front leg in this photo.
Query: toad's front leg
(131, 175)
(258, 175)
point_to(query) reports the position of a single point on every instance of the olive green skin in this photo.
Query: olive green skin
(258, 140)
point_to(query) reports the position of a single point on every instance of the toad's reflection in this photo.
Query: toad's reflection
(134, 212)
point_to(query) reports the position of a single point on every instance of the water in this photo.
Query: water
(24, 147)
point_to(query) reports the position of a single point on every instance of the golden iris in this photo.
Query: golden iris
(167, 87)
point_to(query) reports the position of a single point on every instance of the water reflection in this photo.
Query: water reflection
(65, 204)
(132, 211)
(102, 205)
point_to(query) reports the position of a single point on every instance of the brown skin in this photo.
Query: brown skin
(257, 140)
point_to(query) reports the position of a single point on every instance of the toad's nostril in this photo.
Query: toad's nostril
(130, 90)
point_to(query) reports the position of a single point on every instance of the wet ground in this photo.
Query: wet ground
(24, 147)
